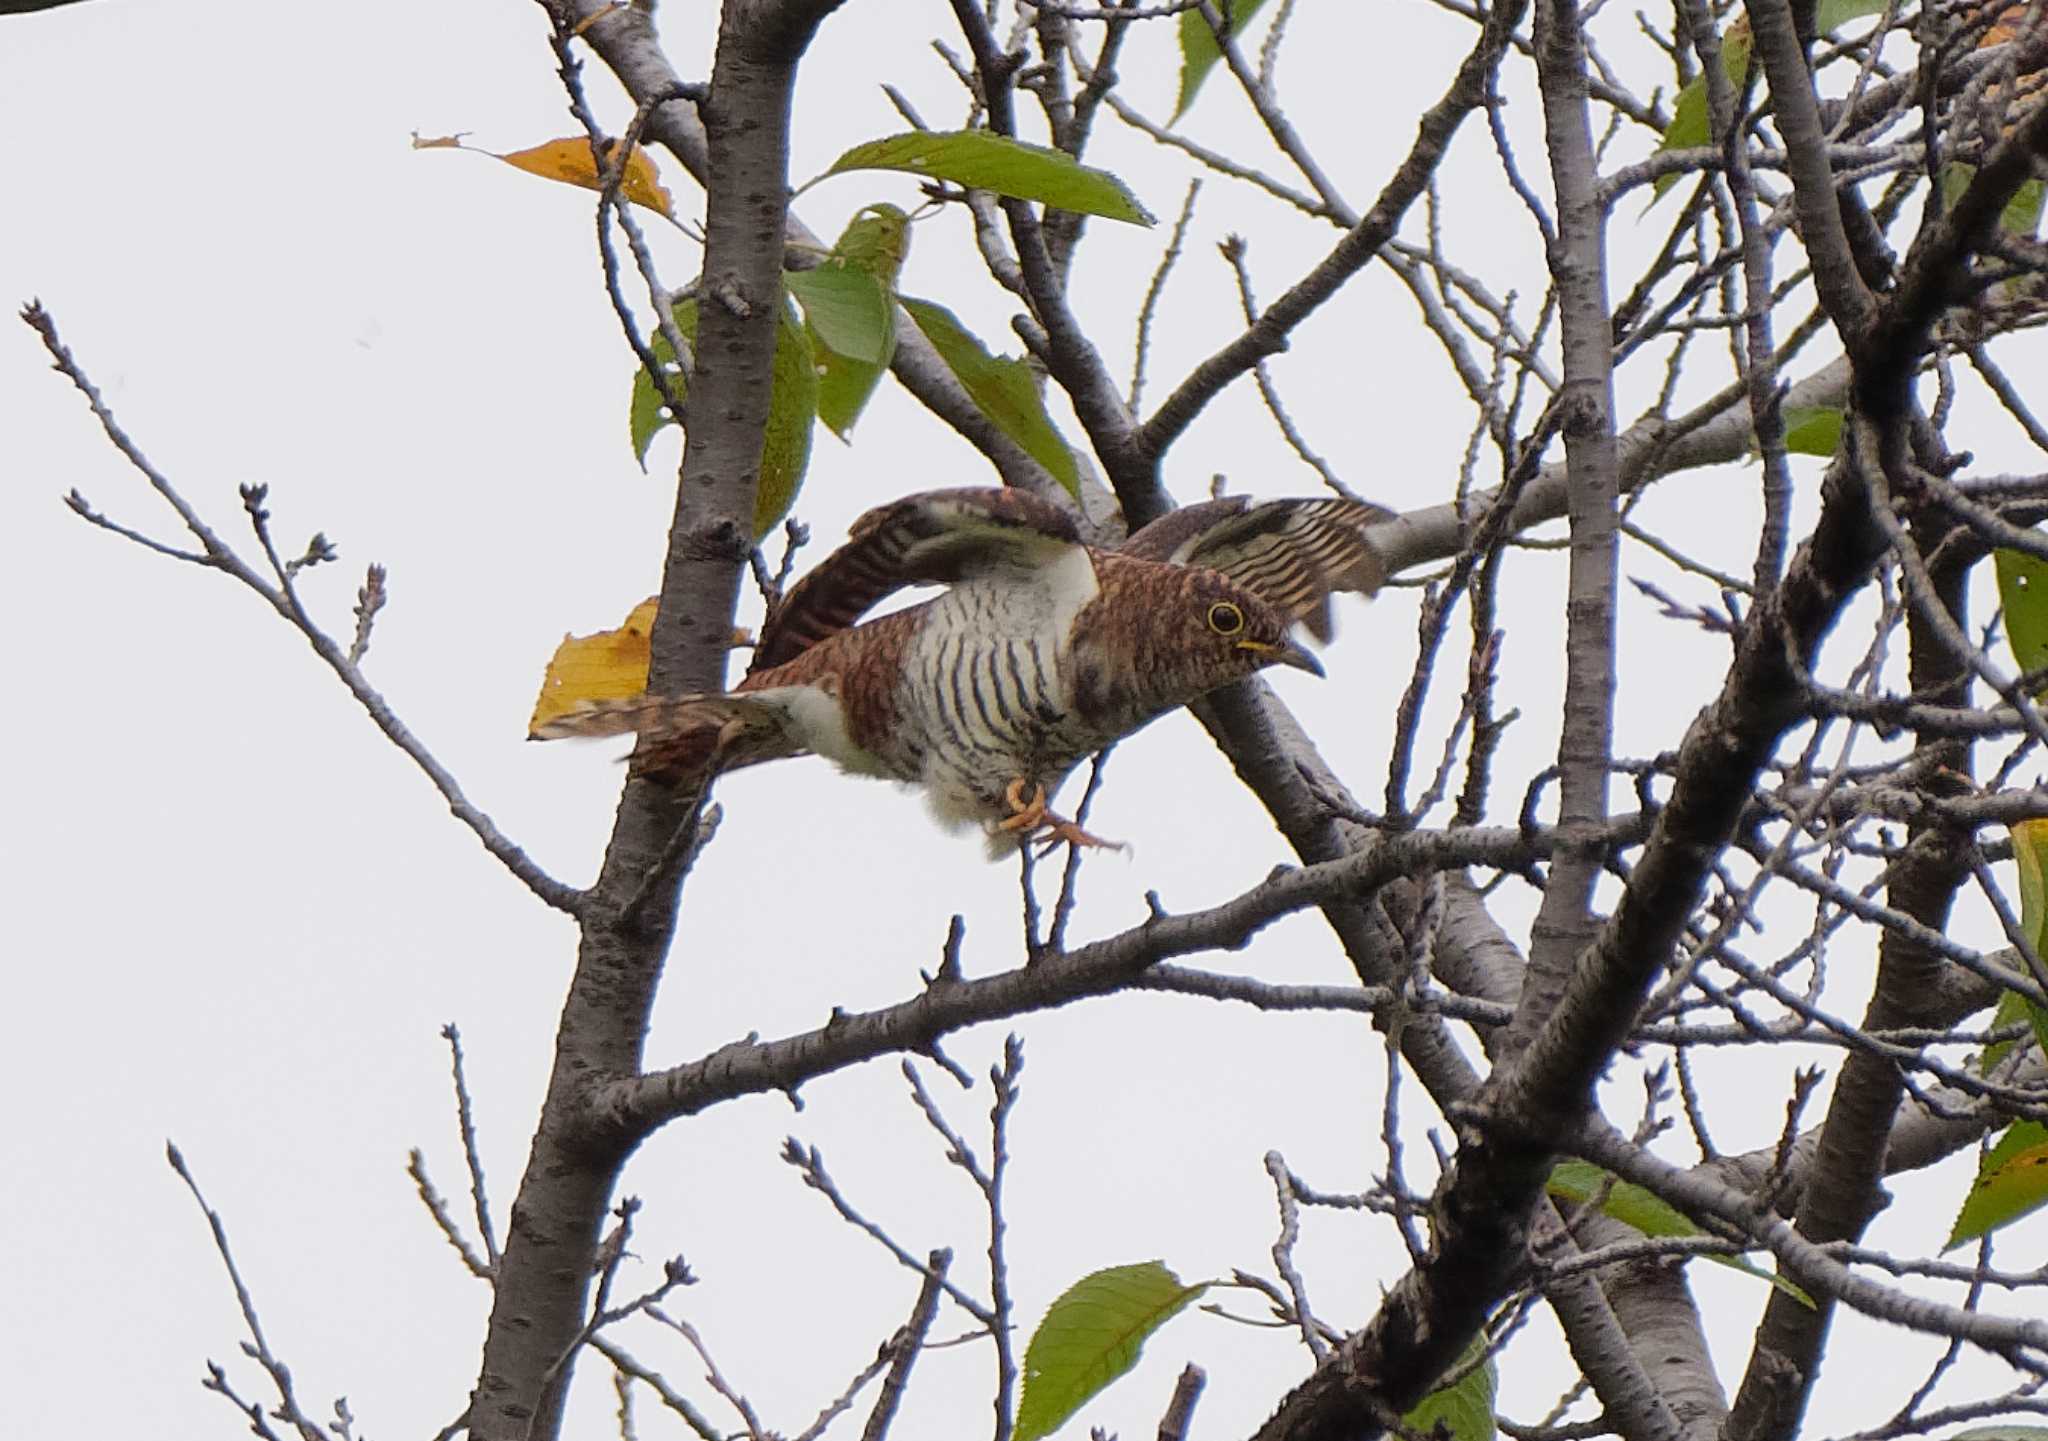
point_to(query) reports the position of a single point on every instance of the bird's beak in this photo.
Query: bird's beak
(1288, 653)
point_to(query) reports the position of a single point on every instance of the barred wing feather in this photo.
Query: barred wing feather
(934, 538)
(1292, 553)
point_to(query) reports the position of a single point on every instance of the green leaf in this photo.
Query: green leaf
(1465, 1408)
(792, 402)
(1692, 119)
(1004, 390)
(2012, 1180)
(2030, 851)
(1832, 15)
(1579, 1181)
(847, 309)
(786, 440)
(2022, 213)
(2023, 591)
(2012, 1009)
(875, 242)
(1198, 49)
(2030, 858)
(1090, 1336)
(850, 308)
(2009, 1432)
(845, 386)
(852, 323)
(983, 160)
(649, 413)
(1691, 125)
(1692, 122)
(1813, 429)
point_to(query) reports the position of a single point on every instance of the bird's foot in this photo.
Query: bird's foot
(1058, 830)
(1025, 815)
(1034, 822)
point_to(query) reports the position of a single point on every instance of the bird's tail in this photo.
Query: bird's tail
(607, 718)
(682, 738)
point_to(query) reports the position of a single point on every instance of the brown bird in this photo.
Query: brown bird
(1041, 651)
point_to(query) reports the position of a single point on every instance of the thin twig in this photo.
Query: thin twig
(258, 1349)
(217, 555)
(465, 1115)
(1153, 290)
(903, 1348)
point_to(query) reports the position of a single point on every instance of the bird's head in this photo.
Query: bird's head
(1232, 633)
(1179, 632)
(1159, 636)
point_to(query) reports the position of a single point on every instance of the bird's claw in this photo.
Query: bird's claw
(1035, 822)
(1024, 815)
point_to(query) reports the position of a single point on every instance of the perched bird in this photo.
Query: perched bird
(1041, 651)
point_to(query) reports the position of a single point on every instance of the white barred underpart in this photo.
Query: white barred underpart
(985, 699)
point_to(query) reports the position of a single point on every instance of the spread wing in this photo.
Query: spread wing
(1292, 553)
(935, 538)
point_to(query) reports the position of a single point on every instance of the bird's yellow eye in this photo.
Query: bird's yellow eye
(1225, 618)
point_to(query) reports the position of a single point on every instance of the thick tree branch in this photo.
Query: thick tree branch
(1835, 275)
(1658, 1365)
(633, 1107)
(1578, 265)
(537, 1316)
(1500, 1168)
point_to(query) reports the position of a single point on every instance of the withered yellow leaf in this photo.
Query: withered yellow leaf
(569, 160)
(611, 665)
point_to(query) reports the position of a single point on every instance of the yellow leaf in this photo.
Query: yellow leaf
(569, 160)
(611, 665)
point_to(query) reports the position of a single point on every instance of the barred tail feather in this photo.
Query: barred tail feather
(592, 718)
(682, 737)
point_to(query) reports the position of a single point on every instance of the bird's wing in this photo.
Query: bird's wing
(935, 538)
(1291, 553)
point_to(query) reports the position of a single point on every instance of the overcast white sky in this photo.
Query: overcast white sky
(237, 917)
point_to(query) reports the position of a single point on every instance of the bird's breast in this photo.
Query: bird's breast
(985, 678)
(988, 695)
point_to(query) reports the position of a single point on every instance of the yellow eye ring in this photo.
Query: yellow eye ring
(1225, 618)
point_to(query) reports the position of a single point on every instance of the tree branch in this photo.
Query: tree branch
(537, 1313)
(1268, 335)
